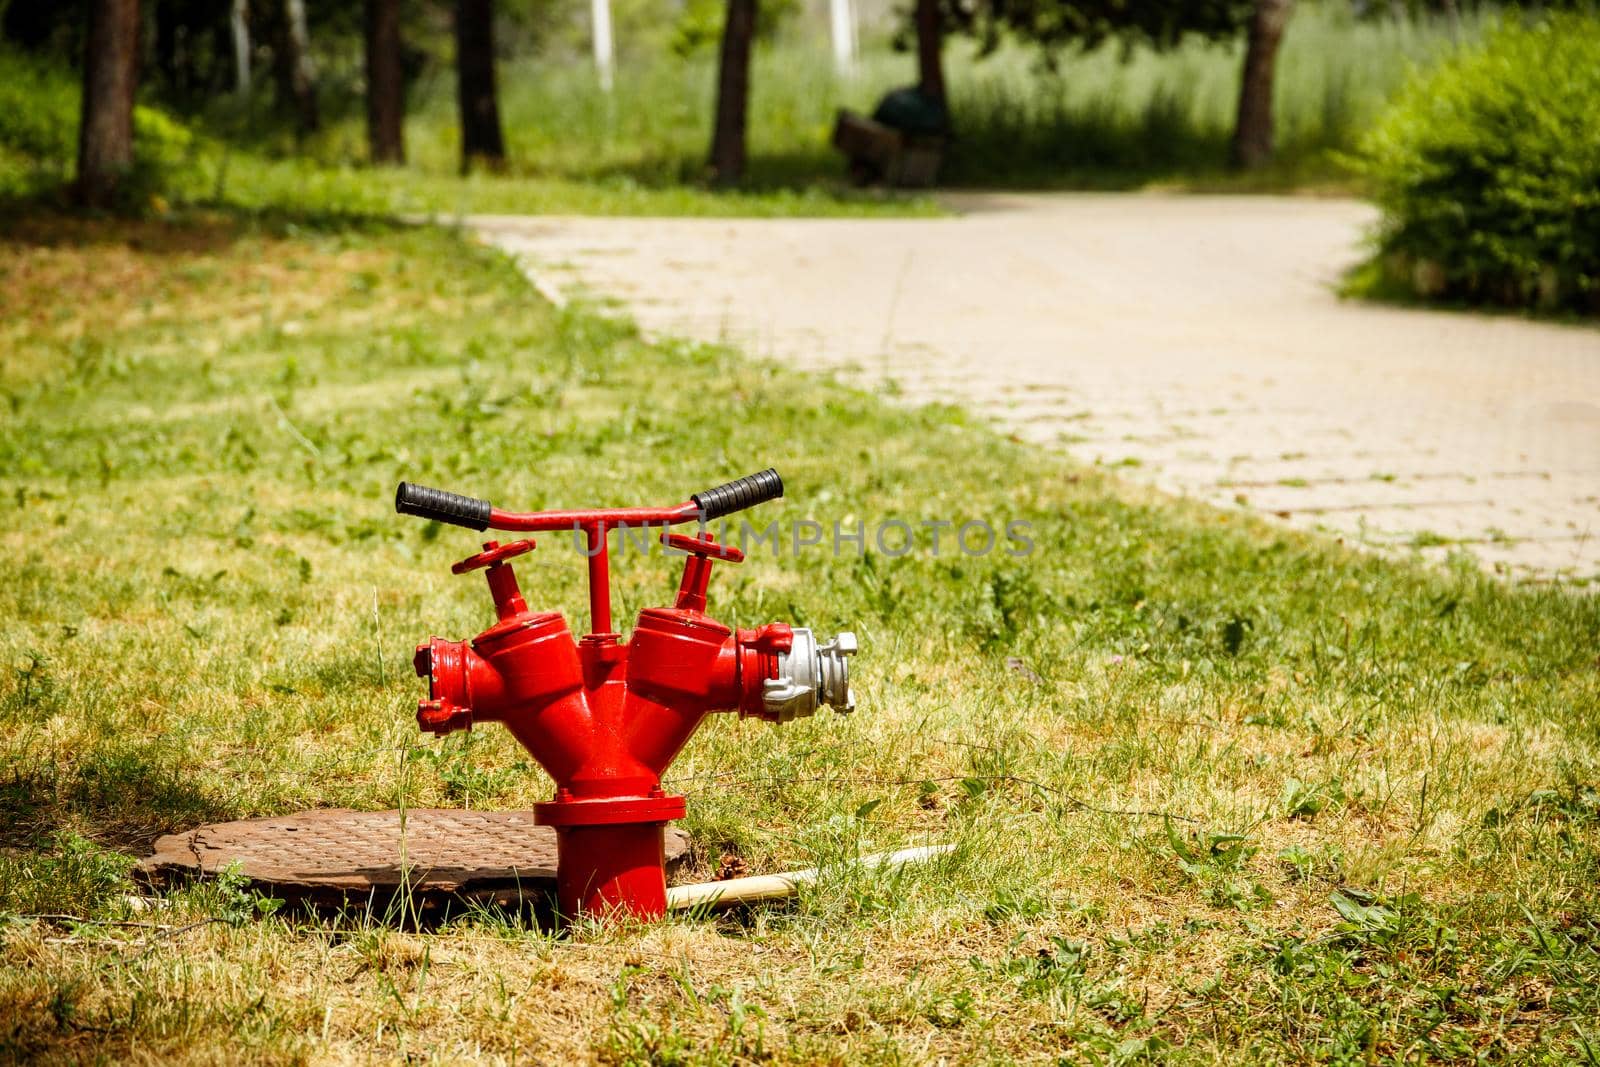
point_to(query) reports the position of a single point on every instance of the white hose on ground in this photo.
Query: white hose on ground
(784, 883)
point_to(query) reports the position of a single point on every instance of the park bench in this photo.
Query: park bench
(901, 145)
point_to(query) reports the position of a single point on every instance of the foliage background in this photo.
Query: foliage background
(1487, 168)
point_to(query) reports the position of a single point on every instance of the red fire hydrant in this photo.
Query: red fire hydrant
(605, 717)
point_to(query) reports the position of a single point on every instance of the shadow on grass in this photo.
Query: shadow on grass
(813, 172)
(1380, 280)
(122, 796)
(51, 220)
(1004, 160)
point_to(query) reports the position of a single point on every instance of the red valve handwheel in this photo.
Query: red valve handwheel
(493, 552)
(702, 546)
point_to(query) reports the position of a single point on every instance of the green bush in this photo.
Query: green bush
(38, 124)
(39, 130)
(1487, 168)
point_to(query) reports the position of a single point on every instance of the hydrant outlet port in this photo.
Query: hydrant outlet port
(809, 676)
(439, 717)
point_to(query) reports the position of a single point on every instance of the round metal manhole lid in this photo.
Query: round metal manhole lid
(338, 853)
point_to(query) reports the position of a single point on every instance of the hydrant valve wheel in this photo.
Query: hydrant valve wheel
(702, 546)
(604, 717)
(493, 553)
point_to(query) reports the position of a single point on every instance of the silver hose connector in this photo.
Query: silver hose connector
(809, 676)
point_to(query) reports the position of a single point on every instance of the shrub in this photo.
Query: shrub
(1487, 168)
(39, 130)
(38, 124)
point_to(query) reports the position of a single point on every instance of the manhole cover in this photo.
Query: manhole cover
(337, 856)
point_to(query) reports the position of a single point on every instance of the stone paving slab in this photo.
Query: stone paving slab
(1191, 342)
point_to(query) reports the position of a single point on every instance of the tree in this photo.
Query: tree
(56, 30)
(191, 56)
(733, 93)
(291, 62)
(240, 23)
(481, 139)
(1061, 24)
(1252, 133)
(930, 48)
(385, 84)
(110, 76)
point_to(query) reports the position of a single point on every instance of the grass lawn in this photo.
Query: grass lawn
(275, 186)
(1381, 783)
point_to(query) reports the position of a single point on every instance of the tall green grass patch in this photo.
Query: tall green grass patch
(1488, 172)
(1114, 117)
(1108, 117)
(229, 157)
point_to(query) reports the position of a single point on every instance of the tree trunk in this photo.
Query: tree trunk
(842, 32)
(605, 58)
(239, 22)
(167, 51)
(297, 76)
(110, 75)
(475, 92)
(385, 86)
(930, 46)
(1252, 136)
(219, 57)
(1452, 12)
(733, 93)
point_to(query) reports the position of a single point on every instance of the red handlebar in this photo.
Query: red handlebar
(443, 506)
(579, 519)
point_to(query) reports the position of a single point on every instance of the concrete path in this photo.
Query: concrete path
(1193, 342)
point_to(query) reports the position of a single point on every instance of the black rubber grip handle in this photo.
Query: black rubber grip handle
(739, 494)
(441, 506)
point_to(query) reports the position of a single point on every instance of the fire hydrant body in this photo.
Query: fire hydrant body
(606, 717)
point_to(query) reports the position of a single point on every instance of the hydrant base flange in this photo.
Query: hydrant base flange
(611, 849)
(608, 811)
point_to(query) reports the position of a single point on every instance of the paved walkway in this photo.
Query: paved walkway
(1193, 342)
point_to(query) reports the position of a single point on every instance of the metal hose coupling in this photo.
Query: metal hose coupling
(809, 676)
